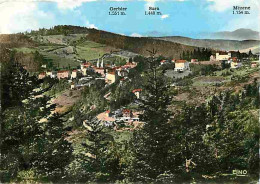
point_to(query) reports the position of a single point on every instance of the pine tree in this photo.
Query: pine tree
(93, 160)
(190, 154)
(228, 137)
(151, 144)
(57, 150)
(16, 84)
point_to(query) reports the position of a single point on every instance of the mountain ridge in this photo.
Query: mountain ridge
(238, 34)
(216, 44)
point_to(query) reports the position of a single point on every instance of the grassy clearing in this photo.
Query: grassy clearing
(209, 80)
(60, 62)
(88, 53)
(223, 76)
(49, 48)
(87, 50)
(243, 71)
(90, 50)
(26, 50)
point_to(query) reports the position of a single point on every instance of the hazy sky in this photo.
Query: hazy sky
(183, 18)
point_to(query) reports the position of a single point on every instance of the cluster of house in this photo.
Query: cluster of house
(110, 73)
(125, 115)
(232, 59)
(227, 58)
(180, 65)
(62, 74)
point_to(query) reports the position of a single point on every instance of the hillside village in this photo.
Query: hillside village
(99, 108)
(89, 71)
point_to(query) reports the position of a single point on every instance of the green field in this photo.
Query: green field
(60, 62)
(26, 50)
(90, 50)
(87, 50)
(223, 76)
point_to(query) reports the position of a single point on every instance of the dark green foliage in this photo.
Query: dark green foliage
(202, 54)
(142, 64)
(57, 151)
(57, 86)
(151, 144)
(16, 84)
(234, 134)
(93, 159)
(203, 69)
(27, 143)
(188, 128)
(185, 82)
(121, 95)
(224, 65)
(61, 29)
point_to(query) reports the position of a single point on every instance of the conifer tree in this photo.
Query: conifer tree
(152, 142)
(93, 160)
(57, 151)
(16, 84)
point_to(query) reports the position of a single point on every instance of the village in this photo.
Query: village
(88, 72)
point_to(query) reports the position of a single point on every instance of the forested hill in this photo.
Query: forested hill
(138, 45)
(15, 40)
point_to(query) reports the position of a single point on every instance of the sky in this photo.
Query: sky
(190, 18)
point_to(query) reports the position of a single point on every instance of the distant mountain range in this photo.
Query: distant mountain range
(217, 44)
(239, 34)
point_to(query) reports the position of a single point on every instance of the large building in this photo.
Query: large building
(181, 65)
(223, 56)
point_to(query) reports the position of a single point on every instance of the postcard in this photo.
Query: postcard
(129, 91)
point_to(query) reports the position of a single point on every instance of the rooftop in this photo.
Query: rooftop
(223, 53)
(63, 71)
(135, 90)
(180, 61)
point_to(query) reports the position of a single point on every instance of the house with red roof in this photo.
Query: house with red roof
(181, 65)
(42, 75)
(85, 65)
(235, 63)
(194, 60)
(163, 62)
(127, 114)
(254, 64)
(130, 65)
(137, 92)
(63, 74)
(74, 74)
